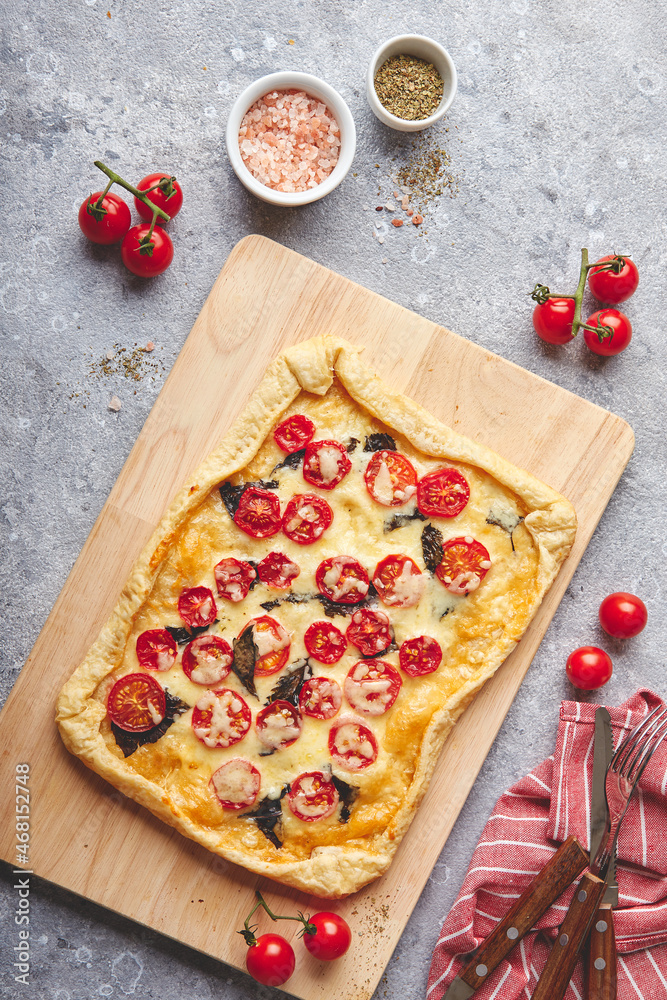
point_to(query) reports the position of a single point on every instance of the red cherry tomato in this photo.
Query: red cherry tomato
(169, 203)
(342, 579)
(234, 578)
(443, 493)
(610, 287)
(273, 643)
(312, 796)
(271, 960)
(306, 518)
(278, 725)
(372, 686)
(277, 571)
(207, 660)
(136, 703)
(608, 346)
(465, 563)
(399, 581)
(236, 783)
(370, 631)
(294, 433)
(320, 698)
(352, 744)
(553, 320)
(332, 936)
(419, 656)
(146, 265)
(114, 223)
(325, 464)
(156, 649)
(220, 718)
(589, 667)
(197, 607)
(258, 512)
(623, 615)
(390, 478)
(324, 642)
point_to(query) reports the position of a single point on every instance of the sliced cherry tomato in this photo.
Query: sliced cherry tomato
(610, 287)
(197, 607)
(623, 615)
(419, 656)
(324, 642)
(277, 571)
(207, 659)
(370, 631)
(352, 744)
(306, 518)
(221, 718)
(465, 563)
(372, 686)
(271, 960)
(278, 725)
(273, 644)
(320, 698)
(443, 493)
(294, 433)
(342, 579)
(553, 320)
(390, 478)
(150, 263)
(325, 464)
(399, 581)
(168, 196)
(258, 512)
(236, 783)
(114, 223)
(136, 703)
(312, 796)
(332, 936)
(234, 578)
(600, 343)
(156, 649)
(589, 667)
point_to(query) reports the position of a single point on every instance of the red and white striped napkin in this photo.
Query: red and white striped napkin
(527, 825)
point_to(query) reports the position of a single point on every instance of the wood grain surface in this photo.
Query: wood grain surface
(94, 842)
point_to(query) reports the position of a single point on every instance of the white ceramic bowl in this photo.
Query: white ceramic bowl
(317, 88)
(423, 48)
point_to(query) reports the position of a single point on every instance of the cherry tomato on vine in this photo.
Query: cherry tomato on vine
(589, 667)
(112, 226)
(331, 939)
(620, 339)
(610, 287)
(170, 202)
(553, 320)
(147, 265)
(623, 615)
(271, 960)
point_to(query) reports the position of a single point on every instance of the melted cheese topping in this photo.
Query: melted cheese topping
(329, 459)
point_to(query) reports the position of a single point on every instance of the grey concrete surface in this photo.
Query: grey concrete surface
(556, 140)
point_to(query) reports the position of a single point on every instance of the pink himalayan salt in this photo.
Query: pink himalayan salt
(289, 141)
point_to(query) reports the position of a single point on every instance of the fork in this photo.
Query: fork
(624, 771)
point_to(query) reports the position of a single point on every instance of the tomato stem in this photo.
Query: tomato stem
(248, 934)
(98, 204)
(541, 293)
(141, 195)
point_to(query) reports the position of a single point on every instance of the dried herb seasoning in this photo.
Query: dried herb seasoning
(409, 87)
(129, 742)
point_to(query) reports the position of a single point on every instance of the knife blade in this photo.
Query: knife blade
(601, 966)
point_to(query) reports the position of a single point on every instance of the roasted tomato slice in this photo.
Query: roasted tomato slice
(372, 686)
(390, 478)
(207, 659)
(324, 642)
(342, 579)
(277, 571)
(236, 783)
(325, 464)
(306, 518)
(197, 607)
(352, 744)
(258, 512)
(136, 703)
(419, 656)
(312, 796)
(221, 718)
(370, 631)
(234, 578)
(443, 493)
(273, 644)
(278, 725)
(294, 432)
(156, 649)
(320, 698)
(399, 581)
(465, 563)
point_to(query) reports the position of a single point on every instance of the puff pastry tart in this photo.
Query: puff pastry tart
(317, 606)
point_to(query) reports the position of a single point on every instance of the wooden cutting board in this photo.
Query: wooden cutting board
(92, 841)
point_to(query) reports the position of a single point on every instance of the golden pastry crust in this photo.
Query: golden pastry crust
(325, 379)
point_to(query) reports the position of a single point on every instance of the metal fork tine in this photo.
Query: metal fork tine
(649, 750)
(626, 745)
(635, 752)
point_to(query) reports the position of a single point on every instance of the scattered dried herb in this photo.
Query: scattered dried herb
(432, 547)
(129, 742)
(409, 87)
(379, 442)
(427, 173)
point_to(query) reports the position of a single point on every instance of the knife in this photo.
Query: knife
(601, 974)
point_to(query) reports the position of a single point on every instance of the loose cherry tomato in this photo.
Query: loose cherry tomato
(271, 960)
(278, 725)
(342, 579)
(151, 262)
(221, 718)
(553, 320)
(312, 796)
(589, 667)
(372, 686)
(465, 563)
(370, 631)
(294, 433)
(112, 226)
(306, 518)
(207, 659)
(258, 512)
(168, 197)
(273, 644)
(320, 698)
(443, 493)
(277, 571)
(419, 656)
(399, 581)
(324, 642)
(610, 287)
(352, 744)
(236, 783)
(332, 936)
(608, 346)
(623, 615)
(197, 607)
(156, 649)
(390, 478)
(325, 464)
(234, 578)
(136, 703)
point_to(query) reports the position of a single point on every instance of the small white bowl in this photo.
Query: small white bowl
(422, 48)
(316, 88)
